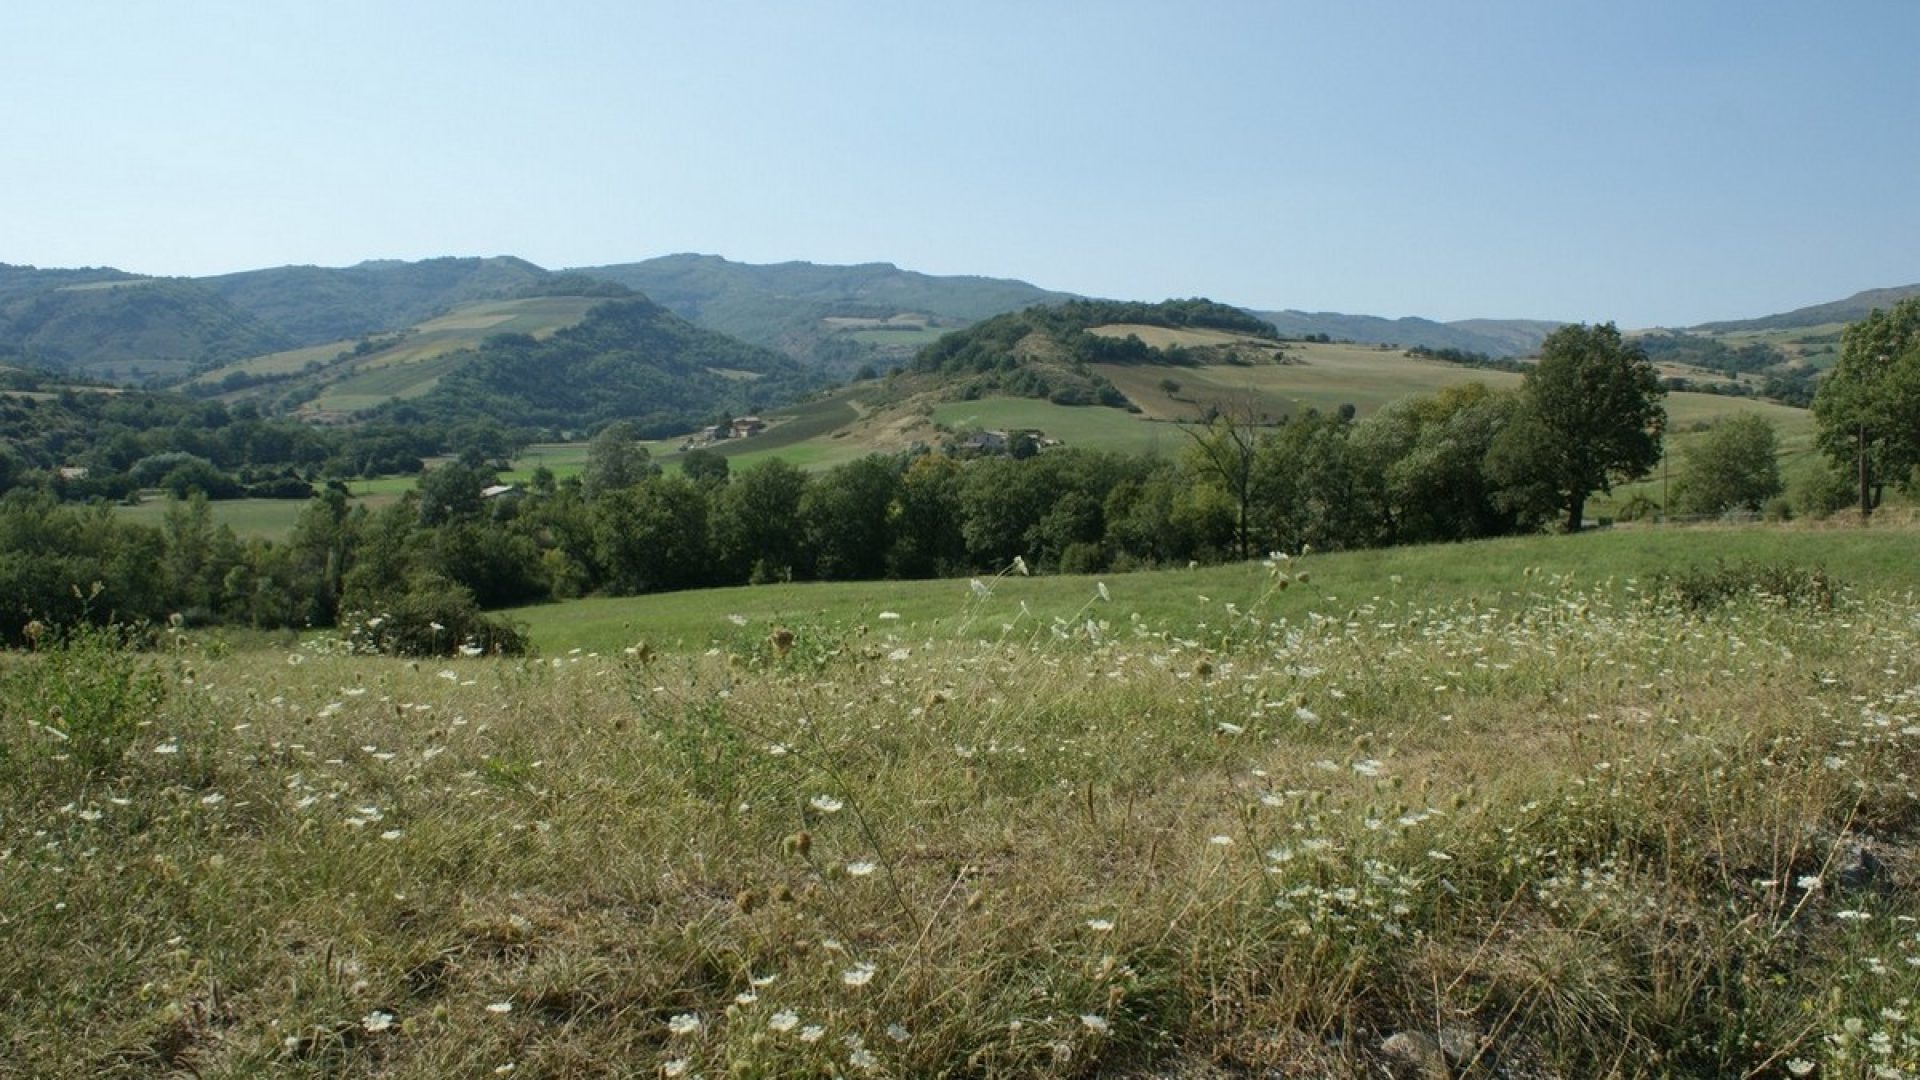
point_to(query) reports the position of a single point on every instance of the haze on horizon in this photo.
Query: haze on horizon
(1642, 162)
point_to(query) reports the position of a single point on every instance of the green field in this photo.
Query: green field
(1490, 570)
(1484, 810)
(263, 519)
(413, 361)
(1092, 426)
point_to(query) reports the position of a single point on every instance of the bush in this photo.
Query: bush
(1700, 590)
(436, 620)
(83, 698)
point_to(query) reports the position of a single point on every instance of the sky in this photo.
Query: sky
(1660, 163)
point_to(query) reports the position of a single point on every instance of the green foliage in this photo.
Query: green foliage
(1591, 415)
(627, 360)
(1869, 404)
(1698, 590)
(79, 700)
(433, 618)
(1734, 466)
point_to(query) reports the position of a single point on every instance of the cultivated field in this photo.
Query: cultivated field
(1457, 811)
(407, 365)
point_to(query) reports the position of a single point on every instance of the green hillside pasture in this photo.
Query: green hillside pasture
(411, 365)
(1322, 377)
(1689, 417)
(1548, 825)
(1203, 601)
(1092, 426)
(264, 519)
(1167, 337)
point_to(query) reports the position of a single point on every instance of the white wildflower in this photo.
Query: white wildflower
(859, 974)
(826, 804)
(684, 1024)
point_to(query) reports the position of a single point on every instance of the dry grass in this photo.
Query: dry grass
(1582, 836)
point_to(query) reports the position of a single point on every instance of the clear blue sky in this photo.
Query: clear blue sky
(1650, 163)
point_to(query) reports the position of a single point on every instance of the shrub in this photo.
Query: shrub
(432, 621)
(84, 697)
(1701, 590)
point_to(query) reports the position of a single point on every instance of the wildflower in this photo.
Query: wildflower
(826, 804)
(888, 616)
(783, 1021)
(500, 1008)
(167, 748)
(1100, 925)
(1369, 767)
(392, 834)
(1101, 587)
(1020, 566)
(676, 1067)
(377, 1021)
(684, 1024)
(737, 620)
(859, 974)
(980, 590)
(1800, 1066)
(812, 1033)
(212, 798)
(1221, 841)
(862, 1058)
(1808, 882)
(898, 1033)
(861, 868)
(745, 997)
(1096, 1024)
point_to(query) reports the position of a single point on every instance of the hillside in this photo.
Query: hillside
(834, 318)
(1494, 337)
(110, 324)
(1048, 352)
(625, 360)
(311, 305)
(1852, 309)
(337, 378)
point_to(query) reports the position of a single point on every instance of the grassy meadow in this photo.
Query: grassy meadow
(1514, 809)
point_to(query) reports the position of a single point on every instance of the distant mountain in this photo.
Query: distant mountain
(111, 324)
(1494, 337)
(1852, 309)
(309, 305)
(834, 318)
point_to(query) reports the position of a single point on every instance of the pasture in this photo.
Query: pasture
(1493, 817)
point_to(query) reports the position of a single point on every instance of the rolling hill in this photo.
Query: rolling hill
(1494, 337)
(109, 324)
(627, 359)
(311, 305)
(837, 319)
(1852, 309)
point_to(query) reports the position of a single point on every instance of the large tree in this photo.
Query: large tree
(1734, 466)
(1592, 414)
(1868, 406)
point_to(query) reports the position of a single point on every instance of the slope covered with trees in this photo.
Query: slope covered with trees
(1045, 352)
(629, 360)
(109, 324)
(308, 305)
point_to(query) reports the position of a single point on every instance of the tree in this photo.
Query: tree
(615, 460)
(1592, 414)
(1868, 406)
(1734, 465)
(1222, 453)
